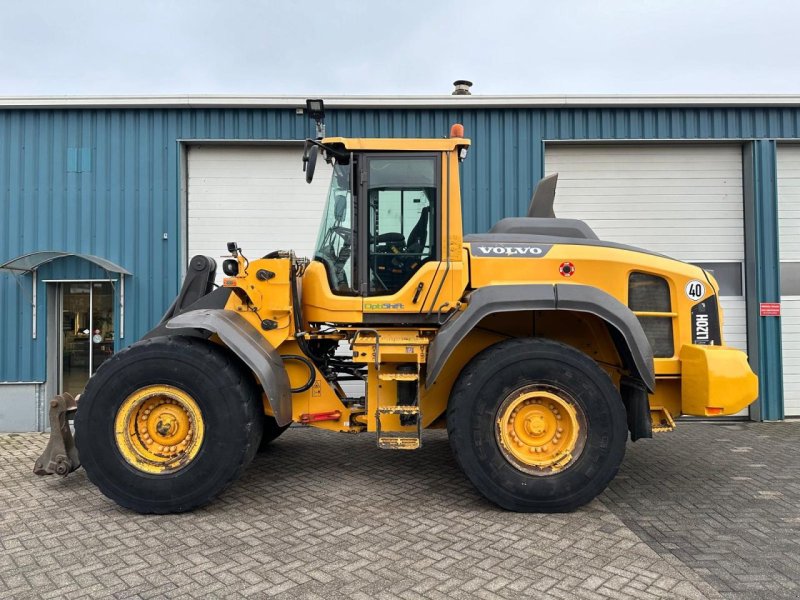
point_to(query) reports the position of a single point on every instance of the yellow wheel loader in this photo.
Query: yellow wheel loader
(539, 347)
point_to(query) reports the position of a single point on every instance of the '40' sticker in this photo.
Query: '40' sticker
(695, 290)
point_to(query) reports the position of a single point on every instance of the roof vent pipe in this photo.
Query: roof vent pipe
(462, 87)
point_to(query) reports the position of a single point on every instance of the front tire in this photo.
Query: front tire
(536, 425)
(168, 423)
(272, 431)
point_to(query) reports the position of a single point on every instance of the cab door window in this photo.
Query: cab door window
(401, 220)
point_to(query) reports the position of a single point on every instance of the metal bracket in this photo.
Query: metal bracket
(60, 457)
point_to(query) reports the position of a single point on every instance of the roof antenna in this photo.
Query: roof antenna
(543, 197)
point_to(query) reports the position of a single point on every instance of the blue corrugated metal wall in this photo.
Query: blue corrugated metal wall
(763, 157)
(106, 182)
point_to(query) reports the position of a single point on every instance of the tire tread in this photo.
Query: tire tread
(242, 388)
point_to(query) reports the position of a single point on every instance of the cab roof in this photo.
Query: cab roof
(430, 144)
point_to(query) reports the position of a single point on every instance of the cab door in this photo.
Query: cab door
(400, 219)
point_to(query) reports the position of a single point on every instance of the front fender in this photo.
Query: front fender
(256, 352)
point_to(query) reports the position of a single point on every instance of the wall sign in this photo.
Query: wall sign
(770, 309)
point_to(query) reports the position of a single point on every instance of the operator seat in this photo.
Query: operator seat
(419, 235)
(397, 258)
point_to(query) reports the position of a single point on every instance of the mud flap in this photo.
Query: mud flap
(60, 457)
(637, 406)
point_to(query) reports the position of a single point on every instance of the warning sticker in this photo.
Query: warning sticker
(769, 309)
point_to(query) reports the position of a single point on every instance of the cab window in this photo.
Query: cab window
(335, 240)
(401, 220)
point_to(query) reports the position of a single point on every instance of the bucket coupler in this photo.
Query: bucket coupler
(60, 457)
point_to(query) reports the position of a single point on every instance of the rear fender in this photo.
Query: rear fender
(251, 348)
(631, 341)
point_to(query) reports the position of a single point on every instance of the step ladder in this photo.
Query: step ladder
(406, 376)
(401, 440)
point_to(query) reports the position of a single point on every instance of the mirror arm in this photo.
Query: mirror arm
(328, 149)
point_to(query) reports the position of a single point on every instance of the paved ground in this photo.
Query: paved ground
(709, 511)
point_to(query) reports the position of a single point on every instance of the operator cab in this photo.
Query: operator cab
(382, 253)
(395, 206)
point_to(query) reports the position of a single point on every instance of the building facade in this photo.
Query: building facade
(103, 200)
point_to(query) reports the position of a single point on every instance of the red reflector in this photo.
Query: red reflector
(567, 269)
(713, 410)
(333, 415)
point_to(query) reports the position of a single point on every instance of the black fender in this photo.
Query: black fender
(636, 351)
(216, 299)
(251, 348)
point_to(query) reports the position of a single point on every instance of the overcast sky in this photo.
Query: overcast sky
(398, 47)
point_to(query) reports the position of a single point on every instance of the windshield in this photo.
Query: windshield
(335, 240)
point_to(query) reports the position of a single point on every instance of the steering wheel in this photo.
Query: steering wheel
(336, 260)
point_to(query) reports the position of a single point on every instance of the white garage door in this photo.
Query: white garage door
(681, 200)
(789, 224)
(254, 195)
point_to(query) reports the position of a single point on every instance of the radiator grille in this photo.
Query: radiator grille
(650, 294)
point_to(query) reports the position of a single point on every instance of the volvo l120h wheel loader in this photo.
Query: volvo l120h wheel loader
(539, 347)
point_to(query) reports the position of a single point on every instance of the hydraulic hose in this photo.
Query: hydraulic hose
(312, 371)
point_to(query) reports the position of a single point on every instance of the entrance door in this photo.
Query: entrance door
(87, 331)
(399, 236)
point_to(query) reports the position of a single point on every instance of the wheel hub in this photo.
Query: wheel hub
(535, 425)
(159, 429)
(539, 431)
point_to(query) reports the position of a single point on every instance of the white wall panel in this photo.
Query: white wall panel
(254, 195)
(681, 200)
(789, 227)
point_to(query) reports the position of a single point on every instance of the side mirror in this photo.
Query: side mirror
(310, 161)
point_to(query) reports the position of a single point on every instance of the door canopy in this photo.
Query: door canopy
(29, 263)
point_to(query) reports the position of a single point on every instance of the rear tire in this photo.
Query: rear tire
(224, 429)
(502, 452)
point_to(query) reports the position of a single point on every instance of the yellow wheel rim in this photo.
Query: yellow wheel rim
(540, 431)
(159, 429)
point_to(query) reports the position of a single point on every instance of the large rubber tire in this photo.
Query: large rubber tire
(229, 402)
(272, 431)
(472, 416)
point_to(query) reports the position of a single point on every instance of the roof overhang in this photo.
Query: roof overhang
(405, 101)
(432, 144)
(29, 263)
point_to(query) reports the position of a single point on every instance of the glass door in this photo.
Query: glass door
(87, 331)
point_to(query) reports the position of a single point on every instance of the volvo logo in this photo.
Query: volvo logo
(516, 250)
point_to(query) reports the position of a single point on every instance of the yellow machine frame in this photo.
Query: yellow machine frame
(697, 380)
